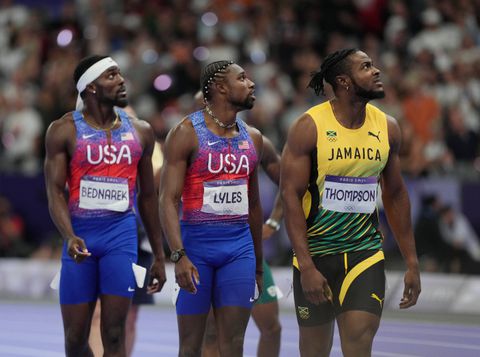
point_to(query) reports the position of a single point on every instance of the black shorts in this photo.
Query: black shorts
(357, 281)
(140, 297)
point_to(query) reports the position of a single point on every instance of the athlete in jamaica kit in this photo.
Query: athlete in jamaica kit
(211, 162)
(100, 154)
(335, 156)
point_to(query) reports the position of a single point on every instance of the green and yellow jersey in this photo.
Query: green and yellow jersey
(340, 202)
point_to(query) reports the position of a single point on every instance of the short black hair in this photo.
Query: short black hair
(333, 65)
(85, 64)
(212, 72)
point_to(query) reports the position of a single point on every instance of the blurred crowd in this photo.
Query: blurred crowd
(428, 51)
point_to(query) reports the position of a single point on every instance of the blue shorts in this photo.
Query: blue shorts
(225, 259)
(113, 245)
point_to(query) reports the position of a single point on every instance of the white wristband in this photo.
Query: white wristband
(273, 224)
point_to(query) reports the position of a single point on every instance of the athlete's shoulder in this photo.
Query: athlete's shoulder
(318, 109)
(372, 108)
(61, 125)
(182, 131)
(252, 131)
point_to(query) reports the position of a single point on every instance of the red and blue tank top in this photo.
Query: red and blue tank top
(217, 181)
(102, 175)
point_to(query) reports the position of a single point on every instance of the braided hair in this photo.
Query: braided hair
(333, 65)
(211, 73)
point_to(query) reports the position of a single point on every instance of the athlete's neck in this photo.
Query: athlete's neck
(223, 117)
(103, 117)
(349, 114)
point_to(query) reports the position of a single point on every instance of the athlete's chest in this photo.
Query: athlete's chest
(340, 151)
(235, 156)
(121, 148)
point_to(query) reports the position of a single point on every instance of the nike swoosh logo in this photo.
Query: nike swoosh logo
(252, 299)
(130, 289)
(210, 143)
(87, 136)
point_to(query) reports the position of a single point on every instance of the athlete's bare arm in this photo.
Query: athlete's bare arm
(59, 141)
(255, 214)
(180, 145)
(295, 173)
(397, 207)
(148, 204)
(271, 165)
(271, 161)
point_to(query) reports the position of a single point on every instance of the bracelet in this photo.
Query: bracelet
(273, 224)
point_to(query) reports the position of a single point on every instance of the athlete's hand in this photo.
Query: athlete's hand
(186, 275)
(267, 231)
(412, 288)
(315, 286)
(157, 276)
(77, 249)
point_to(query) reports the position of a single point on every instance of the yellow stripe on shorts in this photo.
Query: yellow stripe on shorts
(356, 271)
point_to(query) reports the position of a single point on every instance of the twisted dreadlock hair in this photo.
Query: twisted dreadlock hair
(211, 73)
(333, 65)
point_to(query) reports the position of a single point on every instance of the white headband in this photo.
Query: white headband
(92, 73)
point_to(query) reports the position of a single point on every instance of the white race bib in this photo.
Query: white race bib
(100, 192)
(350, 194)
(225, 198)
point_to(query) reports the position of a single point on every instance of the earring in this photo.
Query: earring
(347, 88)
(94, 92)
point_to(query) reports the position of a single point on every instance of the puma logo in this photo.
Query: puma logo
(375, 136)
(375, 296)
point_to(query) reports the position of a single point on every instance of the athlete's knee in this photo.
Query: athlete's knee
(233, 347)
(210, 336)
(189, 351)
(272, 329)
(358, 342)
(113, 338)
(76, 344)
(318, 348)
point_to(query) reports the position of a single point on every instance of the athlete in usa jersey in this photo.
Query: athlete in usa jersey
(211, 162)
(216, 182)
(102, 171)
(99, 154)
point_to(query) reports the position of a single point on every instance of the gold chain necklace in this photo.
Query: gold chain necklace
(216, 120)
(95, 126)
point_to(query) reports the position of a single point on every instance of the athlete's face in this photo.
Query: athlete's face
(365, 77)
(240, 88)
(111, 88)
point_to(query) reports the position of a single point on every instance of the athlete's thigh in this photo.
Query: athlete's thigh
(363, 287)
(234, 283)
(78, 281)
(265, 315)
(316, 341)
(200, 302)
(114, 311)
(116, 274)
(77, 319)
(118, 253)
(231, 322)
(309, 314)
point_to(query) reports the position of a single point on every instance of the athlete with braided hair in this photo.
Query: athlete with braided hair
(211, 160)
(336, 155)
